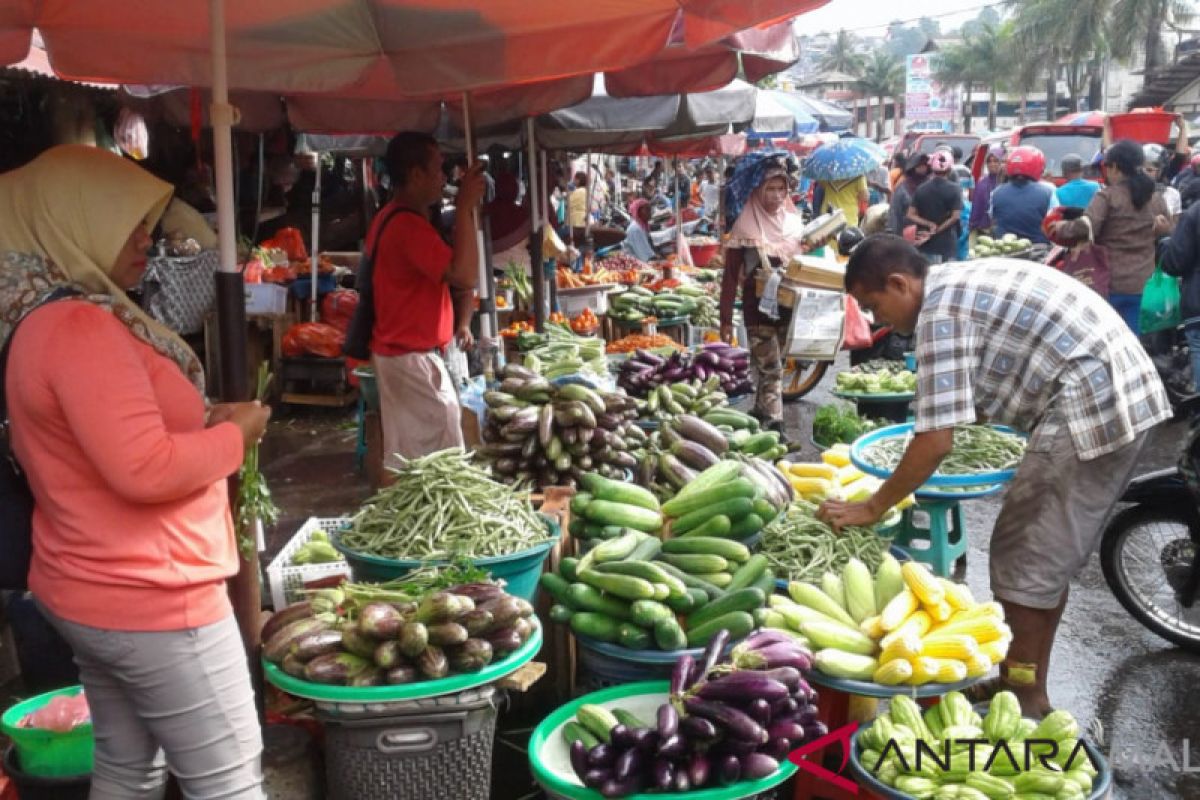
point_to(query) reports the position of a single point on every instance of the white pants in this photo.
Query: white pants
(178, 700)
(418, 406)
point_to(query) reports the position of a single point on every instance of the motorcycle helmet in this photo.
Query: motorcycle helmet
(1026, 160)
(849, 239)
(1155, 155)
(941, 162)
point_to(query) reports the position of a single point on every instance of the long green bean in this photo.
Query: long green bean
(977, 448)
(442, 506)
(801, 547)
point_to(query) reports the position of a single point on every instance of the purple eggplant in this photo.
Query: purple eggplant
(649, 358)
(786, 729)
(579, 758)
(697, 770)
(760, 710)
(736, 352)
(737, 723)
(595, 778)
(701, 372)
(682, 782)
(808, 716)
(716, 346)
(712, 653)
(619, 788)
(729, 770)
(739, 747)
(815, 730)
(737, 686)
(629, 764)
(674, 374)
(698, 729)
(668, 721)
(664, 774)
(621, 736)
(707, 358)
(777, 749)
(758, 765)
(788, 676)
(673, 747)
(679, 675)
(783, 654)
(646, 739)
(785, 708)
(602, 755)
(763, 637)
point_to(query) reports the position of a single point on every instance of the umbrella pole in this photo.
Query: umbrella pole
(316, 240)
(245, 590)
(537, 275)
(485, 292)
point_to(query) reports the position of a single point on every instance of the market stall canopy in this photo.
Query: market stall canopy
(379, 49)
(828, 116)
(772, 119)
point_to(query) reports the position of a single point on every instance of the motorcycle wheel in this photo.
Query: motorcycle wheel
(801, 377)
(1148, 556)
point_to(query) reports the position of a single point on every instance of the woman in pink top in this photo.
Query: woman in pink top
(132, 535)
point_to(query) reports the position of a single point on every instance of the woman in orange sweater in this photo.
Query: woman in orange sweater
(132, 534)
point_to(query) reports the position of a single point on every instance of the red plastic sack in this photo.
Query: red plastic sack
(313, 338)
(60, 715)
(337, 308)
(856, 331)
(291, 241)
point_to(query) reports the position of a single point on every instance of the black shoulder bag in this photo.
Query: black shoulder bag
(16, 500)
(358, 335)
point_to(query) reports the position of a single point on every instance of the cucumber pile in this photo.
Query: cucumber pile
(559, 352)
(637, 303)
(693, 397)
(642, 593)
(732, 499)
(539, 434)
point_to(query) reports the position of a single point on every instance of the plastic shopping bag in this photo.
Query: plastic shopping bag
(856, 332)
(1160, 303)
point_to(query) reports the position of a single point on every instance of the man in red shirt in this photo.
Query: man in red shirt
(414, 273)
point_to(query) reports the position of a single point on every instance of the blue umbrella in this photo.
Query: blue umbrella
(846, 158)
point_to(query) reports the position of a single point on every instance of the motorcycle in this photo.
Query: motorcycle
(1173, 361)
(1148, 551)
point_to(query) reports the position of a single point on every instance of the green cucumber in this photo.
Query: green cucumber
(765, 583)
(683, 603)
(701, 597)
(588, 598)
(679, 506)
(746, 527)
(560, 613)
(697, 563)
(648, 571)
(598, 720)
(719, 525)
(647, 612)
(764, 509)
(573, 732)
(558, 587)
(567, 567)
(718, 579)
(595, 625)
(746, 599)
(716, 475)
(633, 637)
(760, 443)
(669, 636)
(606, 512)
(646, 550)
(734, 510)
(623, 586)
(618, 549)
(749, 573)
(731, 551)
(738, 623)
(691, 581)
(578, 528)
(579, 502)
(629, 719)
(629, 494)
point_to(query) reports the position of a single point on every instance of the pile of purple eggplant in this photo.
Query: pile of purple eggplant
(723, 723)
(727, 366)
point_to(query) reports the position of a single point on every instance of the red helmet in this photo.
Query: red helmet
(1026, 160)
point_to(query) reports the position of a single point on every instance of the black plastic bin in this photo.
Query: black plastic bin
(33, 787)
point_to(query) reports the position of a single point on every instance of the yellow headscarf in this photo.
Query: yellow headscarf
(73, 208)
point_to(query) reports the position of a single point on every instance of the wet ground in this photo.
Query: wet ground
(1138, 691)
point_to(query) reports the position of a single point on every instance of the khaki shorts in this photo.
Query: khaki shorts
(418, 406)
(1052, 519)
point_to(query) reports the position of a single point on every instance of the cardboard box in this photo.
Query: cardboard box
(819, 273)
(266, 298)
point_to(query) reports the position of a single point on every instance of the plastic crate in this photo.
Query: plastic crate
(436, 748)
(288, 581)
(572, 302)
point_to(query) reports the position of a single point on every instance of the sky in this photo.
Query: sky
(849, 14)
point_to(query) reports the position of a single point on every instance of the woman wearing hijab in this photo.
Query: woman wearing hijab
(637, 233)
(981, 201)
(132, 535)
(767, 232)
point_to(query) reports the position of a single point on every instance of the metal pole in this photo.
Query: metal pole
(551, 281)
(536, 220)
(487, 326)
(316, 240)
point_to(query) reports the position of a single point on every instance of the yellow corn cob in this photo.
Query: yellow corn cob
(978, 665)
(918, 624)
(903, 647)
(940, 612)
(981, 629)
(873, 627)
(949, 670)
(822, 470)
(811, 487)
(958, 595)
(859, 490)
(989, 609)
(923, 584)
(837, 456)
(995, 651)
(894, 672)
(849, 473)
(956, 647)
(924, 670)
(897, 610)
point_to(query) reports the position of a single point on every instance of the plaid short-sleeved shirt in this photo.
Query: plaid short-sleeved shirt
(1009, 341)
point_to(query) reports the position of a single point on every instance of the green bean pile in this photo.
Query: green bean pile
(977, 448)
(442, 507)
(800, 547)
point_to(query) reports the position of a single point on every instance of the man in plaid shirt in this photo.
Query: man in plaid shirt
(1021, 344)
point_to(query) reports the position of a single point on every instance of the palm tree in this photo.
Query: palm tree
(843, 55)
(1135, 22)
(991, 54)
(882, 77)
(958, 67)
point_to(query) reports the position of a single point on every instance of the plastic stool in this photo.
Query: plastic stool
(940, 544)
(360, 444)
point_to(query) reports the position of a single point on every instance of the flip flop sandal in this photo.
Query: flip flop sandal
(984, 691)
